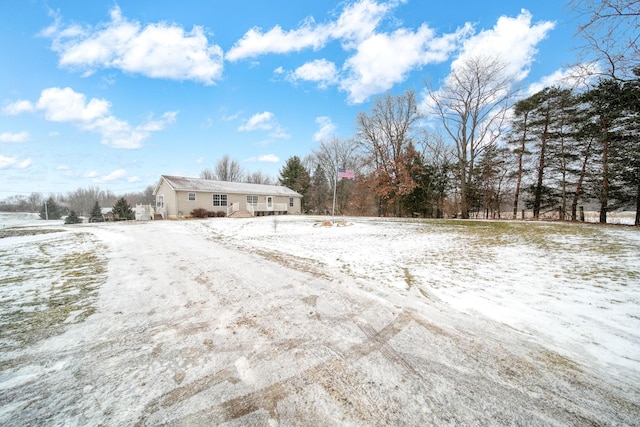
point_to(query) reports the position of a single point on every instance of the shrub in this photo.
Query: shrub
(211, 214)
(199, 213)
(221, 214)
(72, 218)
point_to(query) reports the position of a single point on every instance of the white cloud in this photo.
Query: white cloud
(269, 158)
(113, 176)
(383, 59)
(512, 40)
(18, 107)
(67, 105)
(265, 121)
(320, 71)
(327, 129)
(200, 160)
(13, 163)
(133, 179)
(380, 59)
(356, 21)
(572, 77)
(90, 174)
(158, 50)
(63, 168)
(14, 137)
(259, 121)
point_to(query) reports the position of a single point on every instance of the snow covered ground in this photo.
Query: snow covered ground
(282, 321)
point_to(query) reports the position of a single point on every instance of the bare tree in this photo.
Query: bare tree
(324, 161)
(387, 135)
(259, 178)
(610, 31)
(208, 174)
(228, 170)
(471, 106)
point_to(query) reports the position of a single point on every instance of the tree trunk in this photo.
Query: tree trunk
(604, 193)
(538, 190)
(583, 172)
(637, 221)
(519, 178)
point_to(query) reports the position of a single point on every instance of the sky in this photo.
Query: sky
(113, 94)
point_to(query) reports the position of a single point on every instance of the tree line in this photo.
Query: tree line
(81, 201)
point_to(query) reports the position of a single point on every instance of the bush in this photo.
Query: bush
(72, 218)
(221, 214)
(211, 214)
(199, 213)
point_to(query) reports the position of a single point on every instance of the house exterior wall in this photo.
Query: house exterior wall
(176, 204)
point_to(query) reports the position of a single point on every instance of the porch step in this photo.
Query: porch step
(241, 214)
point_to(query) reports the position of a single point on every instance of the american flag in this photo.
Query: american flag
(346, 173)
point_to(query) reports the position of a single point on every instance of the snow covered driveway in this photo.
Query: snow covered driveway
(278, 322)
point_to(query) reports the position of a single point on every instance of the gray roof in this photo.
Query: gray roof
(181, 183)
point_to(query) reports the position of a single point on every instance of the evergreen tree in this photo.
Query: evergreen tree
(296, 177)
(72, 218)
(320, 191)
(96, 213)
(50, 210)
(122, 211)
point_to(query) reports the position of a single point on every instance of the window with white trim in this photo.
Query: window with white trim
(160, 201)
(252, 200)
(219, 200)
(192, 197)
(291, 201)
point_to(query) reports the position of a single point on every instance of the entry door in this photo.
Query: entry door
(269, 203)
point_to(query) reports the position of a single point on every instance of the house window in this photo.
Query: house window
(219, 200)
(192, 197)
(291, 201)
(252, 200)
(160, 201)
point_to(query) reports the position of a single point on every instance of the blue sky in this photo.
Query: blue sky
(113, 94)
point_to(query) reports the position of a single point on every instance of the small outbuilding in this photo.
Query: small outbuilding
(177, 196)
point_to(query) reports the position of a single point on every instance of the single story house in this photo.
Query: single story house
(177, 197)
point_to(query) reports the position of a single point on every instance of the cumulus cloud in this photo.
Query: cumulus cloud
(67, 105)
(113, 176)
(265, 121)
(13, 163)
(320, 71)
(580, 75)
(380, 59)
(158, 50)
(327, 129)
(385, 59)
(14, 137)
(354, 23)
(512, 40)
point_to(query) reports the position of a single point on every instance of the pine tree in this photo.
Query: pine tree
(50, 210)
(122, 211)
(72, 218)
(96, 213)
(296, 177)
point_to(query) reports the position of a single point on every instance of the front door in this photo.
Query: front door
(269, 203)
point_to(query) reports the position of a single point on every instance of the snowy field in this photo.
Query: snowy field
(283, 321)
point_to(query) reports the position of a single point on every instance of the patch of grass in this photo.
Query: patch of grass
(311, 266)
(20, 231)
(45, 288)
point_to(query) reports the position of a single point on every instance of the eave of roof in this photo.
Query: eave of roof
(180, 183)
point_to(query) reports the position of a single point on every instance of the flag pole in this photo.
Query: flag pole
(335, 185)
